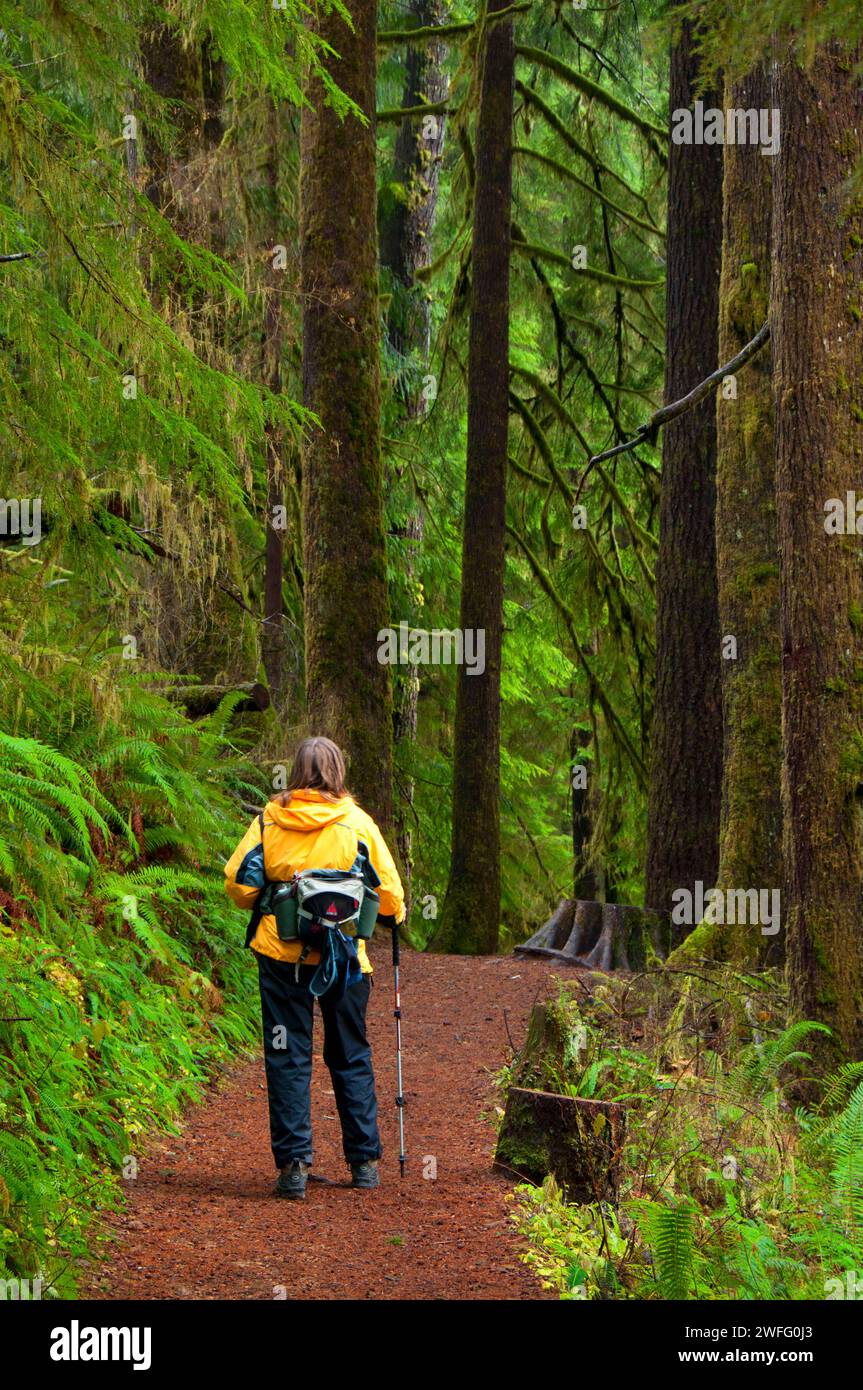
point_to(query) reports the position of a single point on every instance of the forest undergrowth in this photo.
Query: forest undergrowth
(122, 990)
(741, 1175)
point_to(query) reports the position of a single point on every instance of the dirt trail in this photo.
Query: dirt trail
(200, 1221)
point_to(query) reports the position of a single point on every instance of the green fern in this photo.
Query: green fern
(669, 1231)
(760, 1066)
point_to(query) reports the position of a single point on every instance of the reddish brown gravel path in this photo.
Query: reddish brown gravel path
(200, 1222)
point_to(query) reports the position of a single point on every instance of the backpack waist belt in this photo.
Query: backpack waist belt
(318, 899)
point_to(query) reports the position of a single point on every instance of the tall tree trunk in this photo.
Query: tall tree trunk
(407, 221)
(214, 638)
(345, 596)
(747, 555)
(192, 82)
(407, 217)
(273, 629)
(686, 741)
(818, 371)
(585, 877)
(471, 916)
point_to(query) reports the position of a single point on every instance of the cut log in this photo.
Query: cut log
(204, 699)
(577, 1141)
(602, 936)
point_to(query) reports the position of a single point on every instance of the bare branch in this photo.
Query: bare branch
(647, 433)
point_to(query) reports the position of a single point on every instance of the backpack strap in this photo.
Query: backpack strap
(363, 862)
(258, 909)
(339, 966)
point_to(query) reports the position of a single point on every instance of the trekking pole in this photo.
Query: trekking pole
(397, 1012)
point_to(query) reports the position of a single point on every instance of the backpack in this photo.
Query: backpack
(323, 908)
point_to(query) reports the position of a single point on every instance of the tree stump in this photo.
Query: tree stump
(542, 1063)
(577, 1141)
(602, 936)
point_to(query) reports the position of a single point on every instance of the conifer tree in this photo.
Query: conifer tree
(471, 915)
(345, 594)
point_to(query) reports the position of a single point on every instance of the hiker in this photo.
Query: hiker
(315, 825)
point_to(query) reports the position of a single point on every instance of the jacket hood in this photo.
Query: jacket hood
(309, 810)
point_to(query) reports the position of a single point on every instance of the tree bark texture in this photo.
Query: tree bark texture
(747, 554)
(471, 915)
(345, 597)
(816, 315)
(686, 739)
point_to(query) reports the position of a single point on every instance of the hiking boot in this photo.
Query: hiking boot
(292, 1179)
(365, 1174)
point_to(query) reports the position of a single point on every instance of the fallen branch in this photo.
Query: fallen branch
(204, 699)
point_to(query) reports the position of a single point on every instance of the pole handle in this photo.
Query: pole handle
(396, 945)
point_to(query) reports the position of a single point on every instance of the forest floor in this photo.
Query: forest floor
(200, 1221)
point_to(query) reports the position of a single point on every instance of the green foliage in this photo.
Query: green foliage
(759, 28)
(577, 682)
(669, 1231)
(136, 408)
(122, 985)
(726, 1191)
(571, 1249)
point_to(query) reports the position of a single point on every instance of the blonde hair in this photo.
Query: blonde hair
(320, 765)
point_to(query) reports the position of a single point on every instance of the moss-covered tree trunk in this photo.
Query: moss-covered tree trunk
(409, 203)
(208, 634)
(345, 596)
(273, 644)
(747, 558)
(818, 383)
(471, 916)
(407, 216)
(181, 167)
(686, 740)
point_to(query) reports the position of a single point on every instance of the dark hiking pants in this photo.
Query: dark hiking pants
(288, 1008)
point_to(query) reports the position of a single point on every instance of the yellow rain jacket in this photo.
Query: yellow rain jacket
(312, 833)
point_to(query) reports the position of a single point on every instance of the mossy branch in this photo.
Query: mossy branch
(594, 91)
(566, 173)
(552, 399)
(394, 114)
(565, 339)
(602, 277)
(533, 98)
(538, 436)
(637, 534)
(428, 272)
(636, 530)
(430, 33)
(524, 472)
(612, 719)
